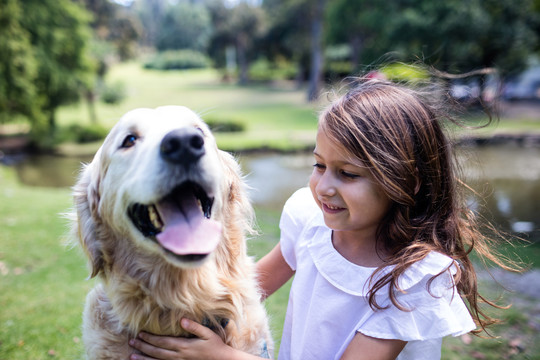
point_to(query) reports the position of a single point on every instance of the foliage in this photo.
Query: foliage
(184, 26)
(18, 69)
(79, 134)
(89, 133)
(59, 36)
(364, 25)
(239, 27)
(222, 126)
(178, 60)
(113, 93)
(113, 24)
(462, 35)
(403, 72)
(264, 70)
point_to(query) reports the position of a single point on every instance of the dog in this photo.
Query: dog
(162, 215)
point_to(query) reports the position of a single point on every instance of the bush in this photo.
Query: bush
(178, 60)
(264, 70)
(85, 134)
(114, 94)
(225, 125)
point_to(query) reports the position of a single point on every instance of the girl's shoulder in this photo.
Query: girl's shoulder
(430, 306)
(434, 265)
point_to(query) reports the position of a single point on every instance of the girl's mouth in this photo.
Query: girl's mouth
(331, 209)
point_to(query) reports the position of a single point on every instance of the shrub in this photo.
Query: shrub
(225, 125)
(264, 70)
(89, 133)
(114, 93)
(178, 60)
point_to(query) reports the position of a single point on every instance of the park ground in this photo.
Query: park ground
(42, 282)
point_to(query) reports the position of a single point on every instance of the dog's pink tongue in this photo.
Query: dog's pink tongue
(186, 231)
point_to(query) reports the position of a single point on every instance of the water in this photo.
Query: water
(507, 179)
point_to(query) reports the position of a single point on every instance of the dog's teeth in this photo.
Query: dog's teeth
(154, 218)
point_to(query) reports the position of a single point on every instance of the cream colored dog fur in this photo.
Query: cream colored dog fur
(162, 215)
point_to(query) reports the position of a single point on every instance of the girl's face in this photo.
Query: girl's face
(351, 201)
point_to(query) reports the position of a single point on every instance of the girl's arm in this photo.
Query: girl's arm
(207, 345)
(364, 347)
(273, 271)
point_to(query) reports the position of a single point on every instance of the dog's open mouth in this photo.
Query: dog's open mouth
(180, 222)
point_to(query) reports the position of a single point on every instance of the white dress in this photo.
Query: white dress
(328, 301)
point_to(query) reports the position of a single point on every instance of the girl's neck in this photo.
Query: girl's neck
(366, 252)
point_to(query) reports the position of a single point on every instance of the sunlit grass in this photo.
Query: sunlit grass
(43, 282)
(274, 117)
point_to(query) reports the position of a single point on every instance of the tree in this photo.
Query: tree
(364, 25)
(150, 13)
(184, 26)
(511, 37)
(59, 34)
(461, 35)
(114, 24)
(297, 30)
(18, 69)
(239, 26)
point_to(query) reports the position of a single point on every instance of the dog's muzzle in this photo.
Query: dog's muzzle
(181, 221)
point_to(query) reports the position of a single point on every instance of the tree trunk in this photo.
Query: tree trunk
(91, 101)
(356, 49)
(241, 59)
(316, 51)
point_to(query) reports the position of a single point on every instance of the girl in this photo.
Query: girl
(378, 244)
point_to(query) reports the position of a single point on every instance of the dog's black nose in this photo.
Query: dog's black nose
(182, 146)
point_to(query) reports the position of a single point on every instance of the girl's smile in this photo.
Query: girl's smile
(331, 209)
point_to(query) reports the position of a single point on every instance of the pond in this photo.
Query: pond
(506, 177)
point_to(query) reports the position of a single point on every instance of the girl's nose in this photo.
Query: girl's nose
(326, 185)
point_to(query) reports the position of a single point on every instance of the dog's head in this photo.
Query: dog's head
(158, 181)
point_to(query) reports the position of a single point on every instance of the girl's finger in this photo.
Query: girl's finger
(154, 347)
(200, 331)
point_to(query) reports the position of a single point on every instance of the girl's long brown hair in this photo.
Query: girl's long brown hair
(396, 132)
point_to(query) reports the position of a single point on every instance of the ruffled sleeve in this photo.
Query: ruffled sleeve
(433, 309)
(299, 209)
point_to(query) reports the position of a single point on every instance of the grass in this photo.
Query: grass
(42, 281)
(274, 117)
(43, 286)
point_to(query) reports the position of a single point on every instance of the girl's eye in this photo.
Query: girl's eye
(349, 175)
(319, 166)
(129, 141)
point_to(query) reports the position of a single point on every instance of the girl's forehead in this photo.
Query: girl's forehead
(327, 146)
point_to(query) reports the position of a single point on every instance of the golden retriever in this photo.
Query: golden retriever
(162, 215)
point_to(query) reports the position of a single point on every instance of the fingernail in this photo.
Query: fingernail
(184, 323)
(131, 342)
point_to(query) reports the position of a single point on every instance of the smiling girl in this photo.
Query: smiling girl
(378, 244)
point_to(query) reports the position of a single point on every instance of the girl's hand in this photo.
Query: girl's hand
(207, 345)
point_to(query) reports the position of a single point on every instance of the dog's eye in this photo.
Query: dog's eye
(129, 141)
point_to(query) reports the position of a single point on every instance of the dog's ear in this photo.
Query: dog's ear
(236, 193)
(86, 199)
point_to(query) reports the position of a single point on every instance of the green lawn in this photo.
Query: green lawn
(43, 283)
(276, 117)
